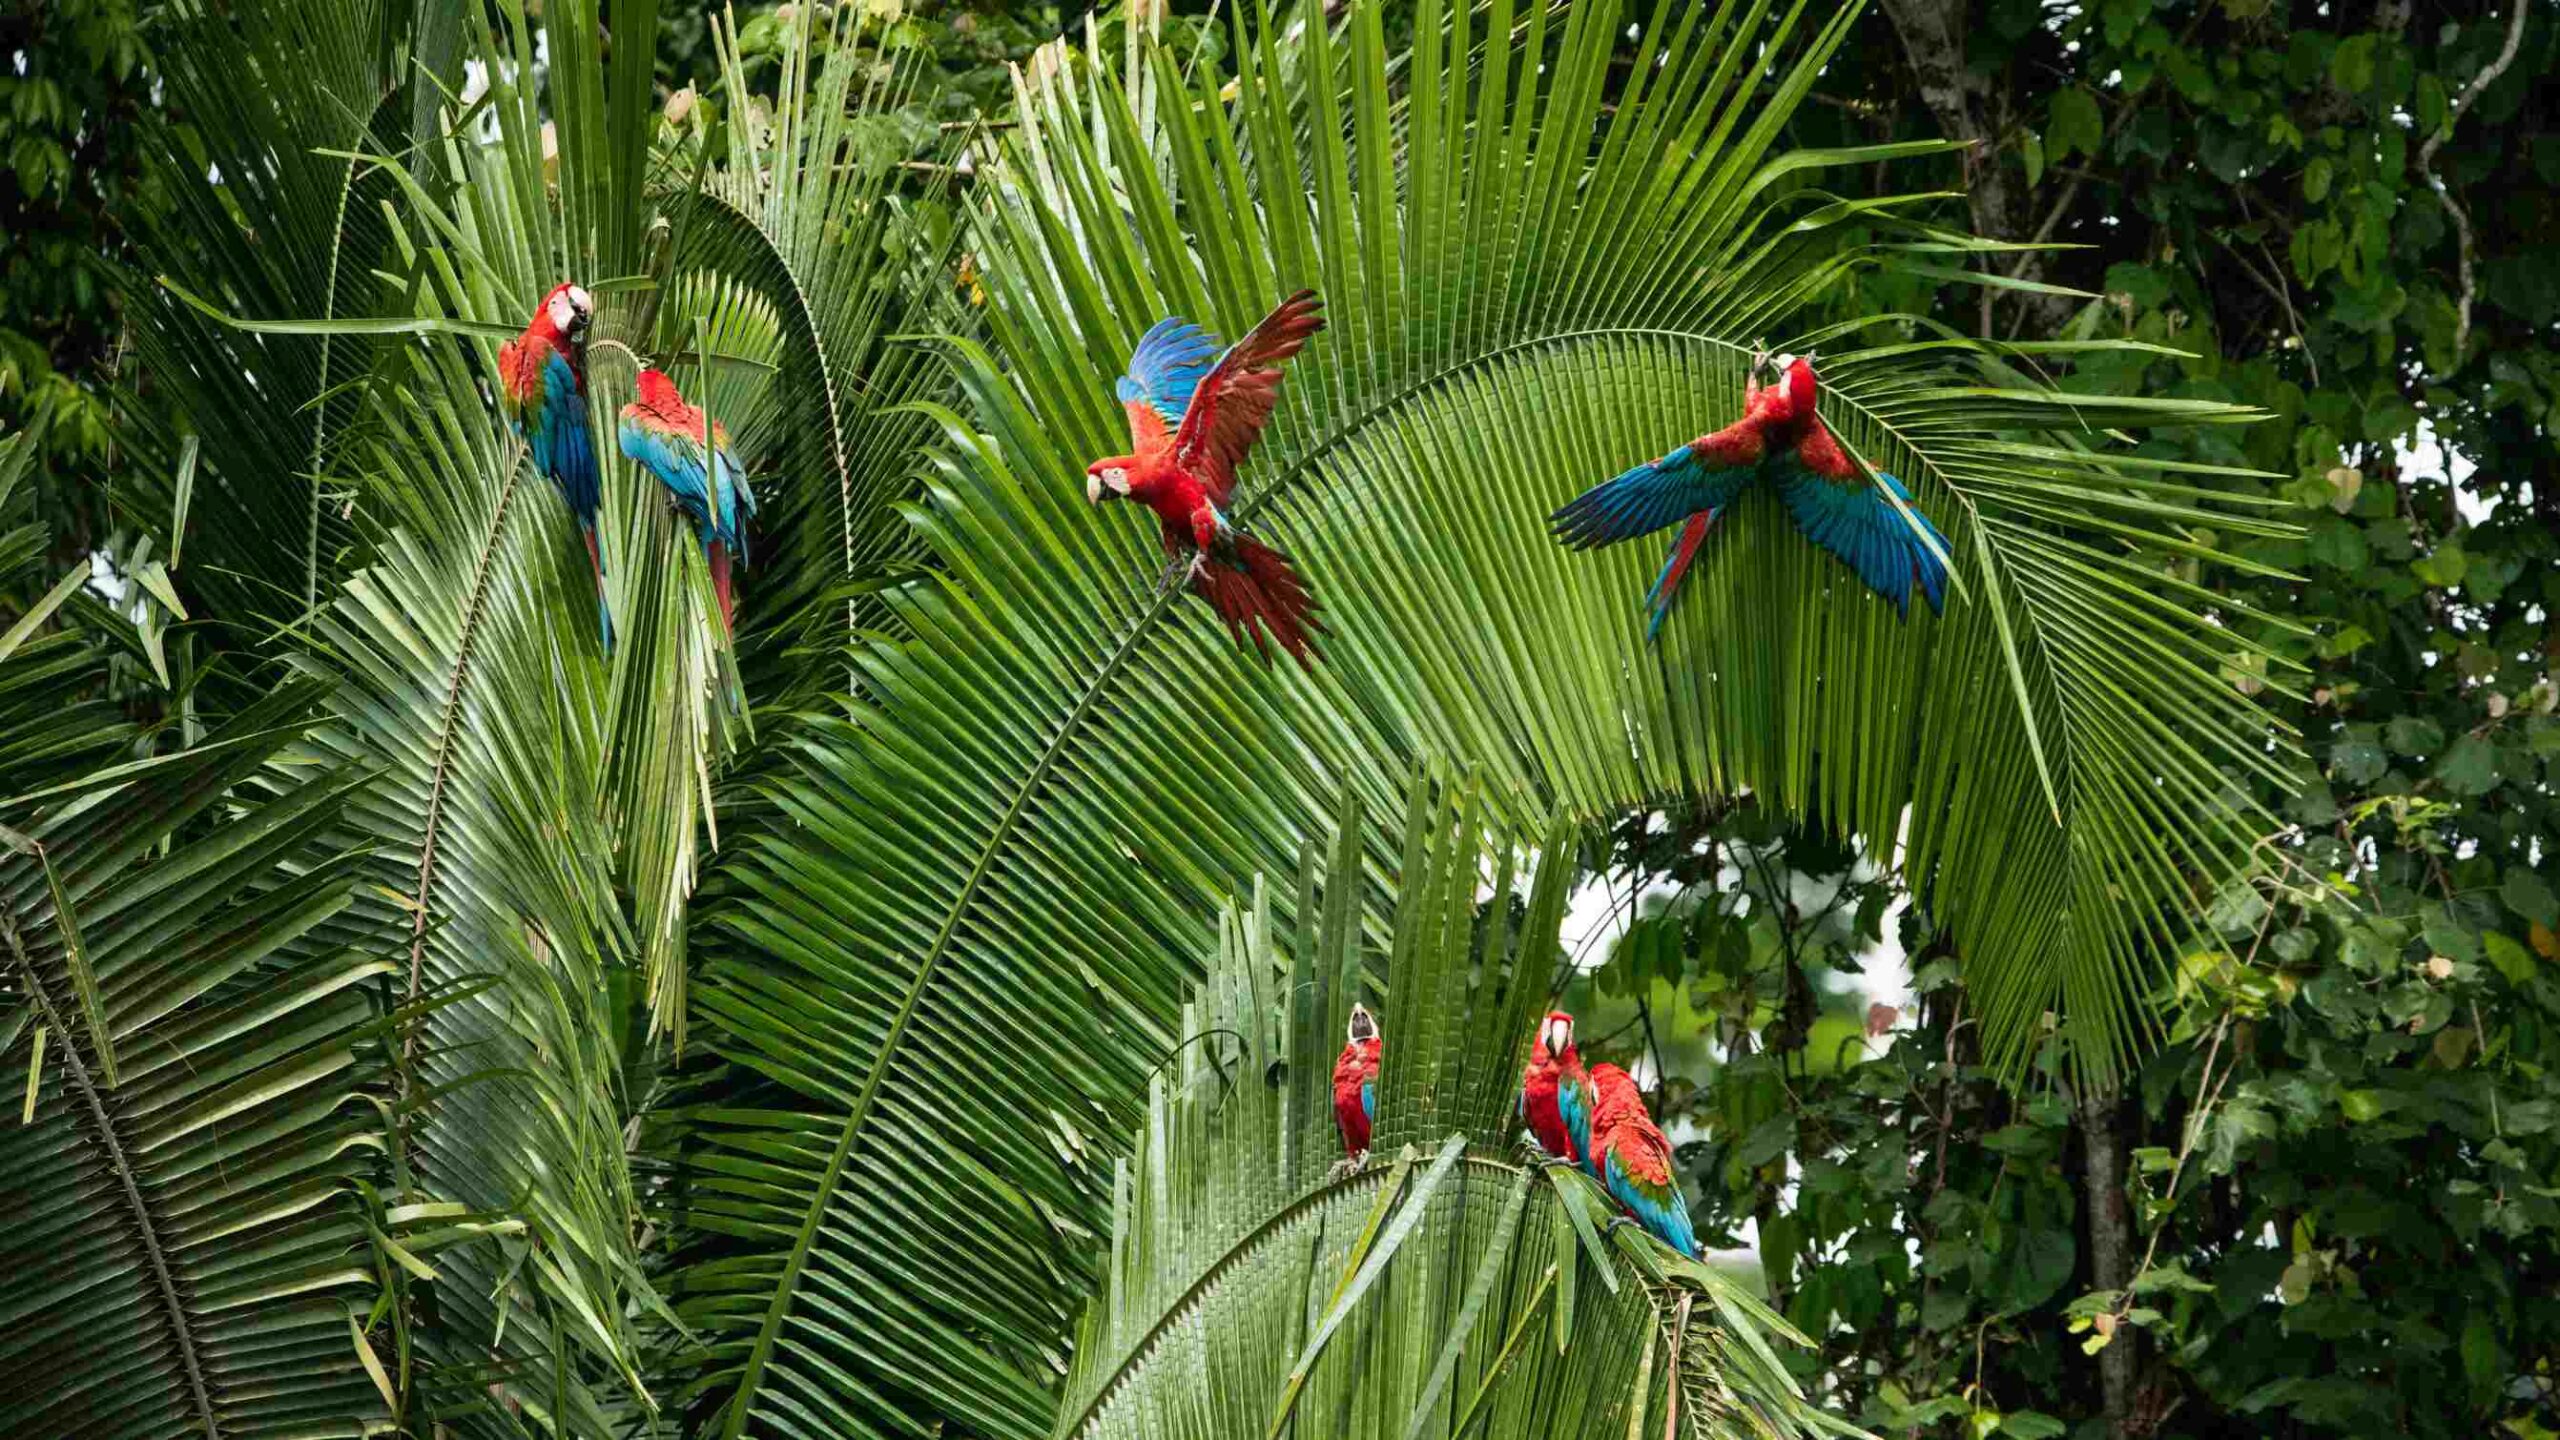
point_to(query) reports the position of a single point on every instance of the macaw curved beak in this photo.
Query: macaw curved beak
(1092, 488)
(1363, 1025)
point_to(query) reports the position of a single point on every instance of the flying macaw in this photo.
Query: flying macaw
(1779, 437)
(1555, 1094)
(1355, 1082)
(667, 435)
(1633, 1159)
(1194, 414)
(542, 388)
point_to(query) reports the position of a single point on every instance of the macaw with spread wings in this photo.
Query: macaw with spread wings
(1194, 414)
(1779, 438)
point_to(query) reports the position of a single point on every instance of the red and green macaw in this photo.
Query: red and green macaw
(1632, 1158)
(1555, 1094)
(542, 388)
(1194, 414)
(1780, 438)
(1355, 1081)
(690, 455)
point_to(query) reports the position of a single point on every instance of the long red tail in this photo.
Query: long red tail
(721, 585)
(1261, 597)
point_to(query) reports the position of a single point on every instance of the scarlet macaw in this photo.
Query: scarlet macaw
(667, 435)
(1194, 414)
(542, 388)
(1555, 1094)
(1780, 437)
(1355, 1082)
(1633, 1159)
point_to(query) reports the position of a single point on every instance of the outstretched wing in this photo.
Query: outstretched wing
(1163, 373)
(1705, 474)
(1838, 510)
(1233, 401)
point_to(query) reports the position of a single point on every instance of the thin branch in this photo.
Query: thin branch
(2426, 171)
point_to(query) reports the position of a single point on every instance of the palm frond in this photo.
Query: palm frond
(187, 1239)
(1445, 1288)
(466, 681)
(1000, 858)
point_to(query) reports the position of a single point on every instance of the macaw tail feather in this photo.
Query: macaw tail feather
(1635, 502)
(722, 584)
(1261, 597)
(595, 563)
(1675, 568)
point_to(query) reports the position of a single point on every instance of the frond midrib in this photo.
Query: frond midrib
(137, 1209)
(1244, 1249)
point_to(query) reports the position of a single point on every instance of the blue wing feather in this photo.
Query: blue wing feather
(560, 443)
(1648, 498)
(1171, 360)
(1667, 1216)
(1369, 1099)
(1861, 527)
(1573, 1109)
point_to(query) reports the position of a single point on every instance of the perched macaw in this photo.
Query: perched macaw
(1194, 414)
(1555, 1094)
(1633, 1159)
(542, 387)
(1355, 1081)
(1781, 438)
(668, 436)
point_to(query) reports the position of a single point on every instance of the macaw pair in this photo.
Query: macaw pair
(1779, 438)
(542, 390)
(1596, 1119)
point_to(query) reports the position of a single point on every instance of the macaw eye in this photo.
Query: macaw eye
(1116, 475)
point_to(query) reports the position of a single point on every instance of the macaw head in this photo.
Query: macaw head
(1108, 479)
(1555, 1035)
(658, 392)
(1793, 375)
(569, 308)
(1364, 1026)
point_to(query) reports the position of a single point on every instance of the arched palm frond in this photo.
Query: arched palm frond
(1454, 1285)
(1537, 271)
(184, 1162)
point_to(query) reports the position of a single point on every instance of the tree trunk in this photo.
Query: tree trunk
(2110, 1247)
(1975, 108)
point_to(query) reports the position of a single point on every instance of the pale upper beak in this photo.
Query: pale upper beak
(1093, 489)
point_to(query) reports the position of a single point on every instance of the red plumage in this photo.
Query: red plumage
(1552, 1086)
(1355, 1081)
(1187, 475)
